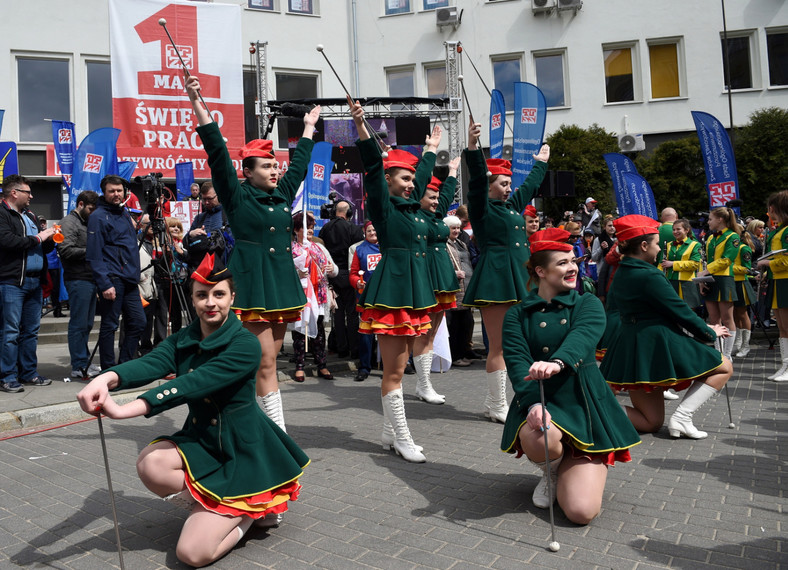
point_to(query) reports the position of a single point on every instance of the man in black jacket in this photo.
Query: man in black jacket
(114, 258)
(23, 261)
(338, 235)
(80, 285)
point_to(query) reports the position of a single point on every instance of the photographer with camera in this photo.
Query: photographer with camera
(210, 231)
(338, 235)
(115, 261)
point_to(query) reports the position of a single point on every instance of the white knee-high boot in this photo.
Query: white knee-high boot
(424, 389)
(394, 410)
(495, 404)
(540, 497)
(271, 404)
(727, 344)
(737, 340)
(681, 421)
(784, 358)
(744, 349)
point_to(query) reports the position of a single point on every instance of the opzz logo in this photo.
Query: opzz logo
(722, 192)
(373, 259)
(64, 136)
(92, 163)
(173, 62)
(495, 121)
(318, 171)
(528, 115)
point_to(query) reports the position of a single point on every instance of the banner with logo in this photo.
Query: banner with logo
(96, 157)
(65, 148)
(9, 163)
(618, 164)
(497, 122)
(317, 184)
(641, 194)
(184, 178)
(126, 169)
(530, 115)
(149, 102)
(722, 180)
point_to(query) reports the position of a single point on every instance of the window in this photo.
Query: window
(99, 95)
(739, 62)
(777, 49)
(619, 75)
(435, 77)
(401, 83)
(506, 71)
(432, 4)
(550, 78)
(250, 101)
(665, 66)
(397, 7)
(44, 93)
(302, 6)
(262, 5)
(291, 87)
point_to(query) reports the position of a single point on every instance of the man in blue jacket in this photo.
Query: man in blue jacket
(115, 260)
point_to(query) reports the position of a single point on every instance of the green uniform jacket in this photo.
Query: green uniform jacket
(262, 265)
(444, 279)
(500, 276)
(721, 251)
(229, 445)
(651, 347)
(402, 278)
(778, 265)
(580, 403)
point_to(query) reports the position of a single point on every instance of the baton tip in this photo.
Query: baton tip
(162, 21)
(319, 47)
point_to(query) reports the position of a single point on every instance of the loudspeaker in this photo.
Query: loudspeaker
(564, 184)
(547, 188)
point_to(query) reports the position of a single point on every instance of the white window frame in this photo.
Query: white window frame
(275, 10)
(290, 71)
(563, 52)
(767, 77)
(315, 9)
(431, 66)
(681, 62)
(85, 101)
(755, 60)
(637, 72)
(498, 57)
(385, 13)
(57, 56)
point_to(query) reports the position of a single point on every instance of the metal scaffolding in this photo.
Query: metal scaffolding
(447, 110)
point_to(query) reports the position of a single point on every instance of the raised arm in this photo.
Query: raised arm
(525, 193)
(193, 91)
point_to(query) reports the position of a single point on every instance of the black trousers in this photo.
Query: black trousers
(345, 321)
(459, 323)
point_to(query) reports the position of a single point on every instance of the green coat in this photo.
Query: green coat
(229, 445)
(444, 279)
(651, 347)
(402, 278)
(262, 265)
(580, 403)
(500, 276)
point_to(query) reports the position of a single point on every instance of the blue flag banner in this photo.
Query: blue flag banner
(618, 164)
(317, 183)
(126, 168)
(65, 149)
(530, 115)
(96, 157)
(2, 112)
(9, 163)
(184, 178)
(722, 180)
(641, 194)
(497, 122)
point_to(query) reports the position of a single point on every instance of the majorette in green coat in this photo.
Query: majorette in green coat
(581, 405)
(651, 348)
(499, 229)
(402, 278)
(444, 279)
(262, 265)
(229, 446)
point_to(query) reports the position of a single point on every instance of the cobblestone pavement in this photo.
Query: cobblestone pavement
(713, 503)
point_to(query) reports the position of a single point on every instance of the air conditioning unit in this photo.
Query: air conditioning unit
(570, 4)
(447, 16)
(542, 5)
(631, 143)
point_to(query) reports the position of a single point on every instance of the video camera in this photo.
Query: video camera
(328, 210)
(152, 186)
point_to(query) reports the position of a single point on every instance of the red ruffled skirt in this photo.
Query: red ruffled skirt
(395, 322)
(255, 506)
(275, 317)
(608, 458)
(445, 301)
